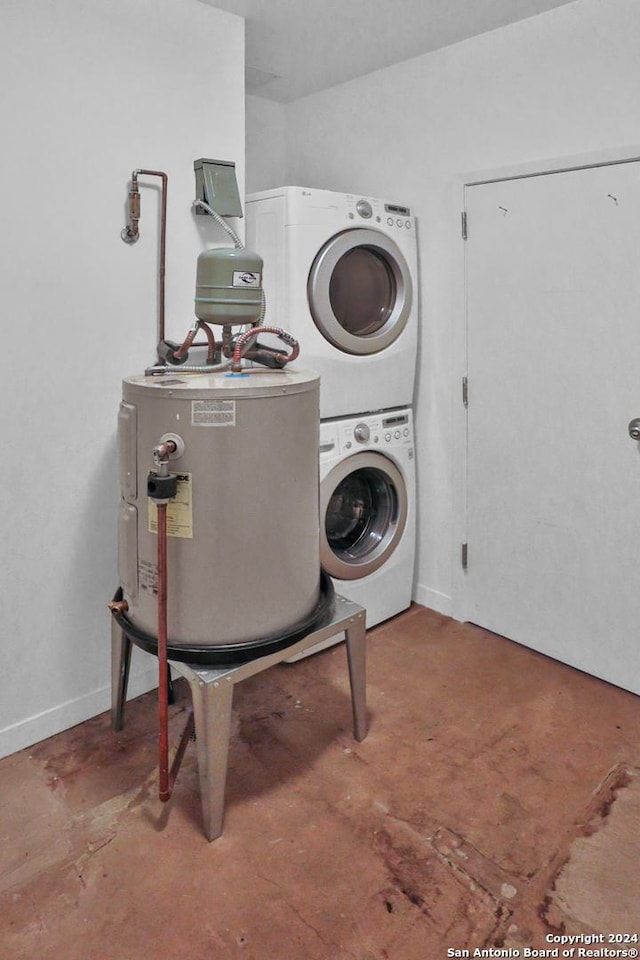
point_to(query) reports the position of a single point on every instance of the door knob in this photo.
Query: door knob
(634, 429)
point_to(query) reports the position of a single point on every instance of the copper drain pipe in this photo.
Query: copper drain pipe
(163, 667)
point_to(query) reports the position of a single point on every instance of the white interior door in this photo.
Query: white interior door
(553, 478)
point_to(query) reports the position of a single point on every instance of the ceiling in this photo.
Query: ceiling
(296, 47)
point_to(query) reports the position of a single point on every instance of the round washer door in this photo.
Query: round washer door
(360, 291)
(363, 512)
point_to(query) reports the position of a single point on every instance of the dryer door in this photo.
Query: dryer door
(360, 291)
(363, 512)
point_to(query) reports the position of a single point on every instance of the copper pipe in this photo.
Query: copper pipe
(255, 332)
(163, 242)
(161, 455)
(188, 342)
(182, 746)
(211, 341)
(164, 788)
(227, 336)
(183, 350)
(118, 606)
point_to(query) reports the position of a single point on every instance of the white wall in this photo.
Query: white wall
(564, 82)
(266, 159)
(90, 91)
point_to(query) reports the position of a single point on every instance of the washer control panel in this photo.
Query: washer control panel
(362, 432)
(373, 431)
(365, 209)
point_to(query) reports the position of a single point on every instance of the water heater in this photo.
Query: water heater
(243, 528)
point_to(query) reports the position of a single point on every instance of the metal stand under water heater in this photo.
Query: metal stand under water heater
(219, 518)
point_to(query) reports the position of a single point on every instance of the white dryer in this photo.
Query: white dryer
(367, 511)
(340, 273)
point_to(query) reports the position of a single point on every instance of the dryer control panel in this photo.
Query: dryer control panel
(374, 212)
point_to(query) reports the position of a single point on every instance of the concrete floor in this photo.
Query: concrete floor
(448, 829)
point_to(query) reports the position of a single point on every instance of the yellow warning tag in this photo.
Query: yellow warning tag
(179, 511)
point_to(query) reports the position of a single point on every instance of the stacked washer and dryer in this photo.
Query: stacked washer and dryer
(340, 273)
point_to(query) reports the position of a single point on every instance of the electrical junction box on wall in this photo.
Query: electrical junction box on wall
(216, 184)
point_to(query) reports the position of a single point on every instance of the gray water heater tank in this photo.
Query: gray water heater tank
(243, 530)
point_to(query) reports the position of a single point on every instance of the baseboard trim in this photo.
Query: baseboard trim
(440, 602)
(32, 730)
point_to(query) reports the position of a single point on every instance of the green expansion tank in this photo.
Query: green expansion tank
(228, 286)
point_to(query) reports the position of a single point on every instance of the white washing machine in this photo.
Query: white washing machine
(367, 511)
(340, 273)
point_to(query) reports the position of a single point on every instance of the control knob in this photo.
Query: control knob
(362, 433)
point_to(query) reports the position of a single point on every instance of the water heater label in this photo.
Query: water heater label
(213, 413)
(244, 278)
(179, 511)
(148, 576)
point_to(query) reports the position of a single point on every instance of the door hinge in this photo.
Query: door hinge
(465, 391)
(465, 555)
(464, 224)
